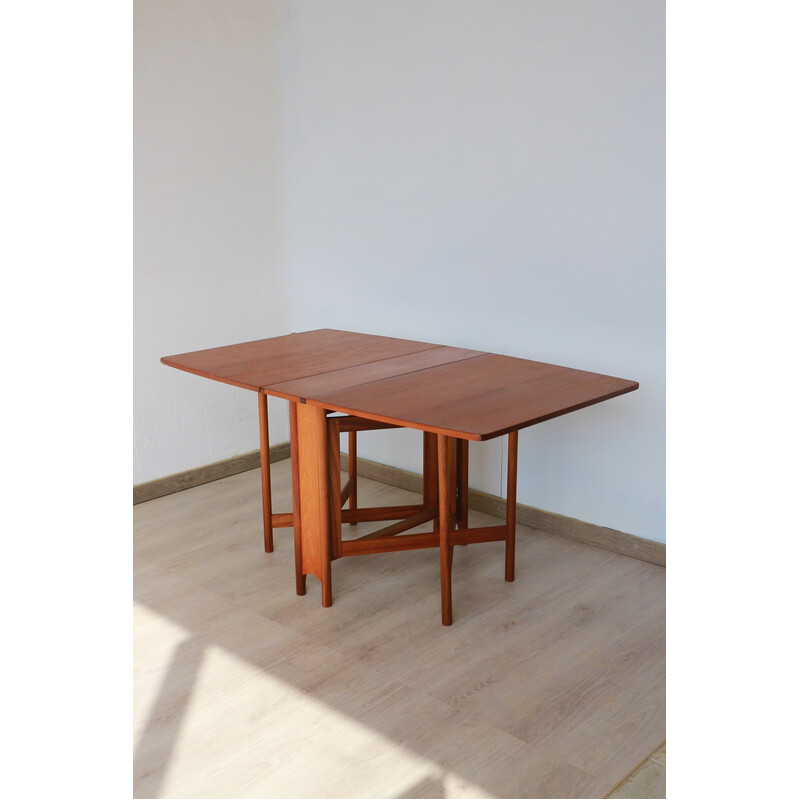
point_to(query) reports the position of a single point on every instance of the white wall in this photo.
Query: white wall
(473, 173)
(206, 229)
(491, 175)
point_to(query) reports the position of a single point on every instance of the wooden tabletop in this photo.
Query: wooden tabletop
(257, 365)
(464, 393)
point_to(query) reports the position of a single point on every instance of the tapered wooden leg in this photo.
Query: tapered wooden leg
(266, 487)
(312, 471)
(446, 456)
(462, 487)
(511, 504)
(352, 469)
(299, 575)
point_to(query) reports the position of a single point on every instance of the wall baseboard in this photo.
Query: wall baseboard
(205, 474)
(596, 535)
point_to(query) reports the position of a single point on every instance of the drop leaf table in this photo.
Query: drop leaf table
(339, 381)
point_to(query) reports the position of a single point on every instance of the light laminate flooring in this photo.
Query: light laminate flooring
(551, 686)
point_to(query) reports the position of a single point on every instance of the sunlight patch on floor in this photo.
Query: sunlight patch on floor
(153, 631)
(240, 728)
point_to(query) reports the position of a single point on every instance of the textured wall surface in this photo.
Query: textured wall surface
(491, 175)
(206, 232)
(479, 174)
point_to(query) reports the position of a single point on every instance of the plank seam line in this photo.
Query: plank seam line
(401, 375)
(361, 364)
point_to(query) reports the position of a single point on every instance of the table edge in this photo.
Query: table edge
(471, 436)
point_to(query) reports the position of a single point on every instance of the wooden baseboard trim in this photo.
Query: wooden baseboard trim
(596, 535)
(205, 474)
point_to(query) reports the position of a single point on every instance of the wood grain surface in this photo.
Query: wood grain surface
(435, 388)
(551, 686)
(324, 383)
(312, 473)
(253, 365)
(477, 398)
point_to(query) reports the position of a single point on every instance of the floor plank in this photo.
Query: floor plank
(551, 686)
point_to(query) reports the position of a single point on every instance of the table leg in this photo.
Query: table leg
(312, 482)
(430, 475)
(511, 504)
(352, 469)
(462, 489)
(299, 575)
(266, 487)
(447, 456)
(335, 486)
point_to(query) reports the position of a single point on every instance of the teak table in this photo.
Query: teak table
(453, 395)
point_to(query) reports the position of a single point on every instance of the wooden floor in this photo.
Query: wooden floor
(551, 686)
